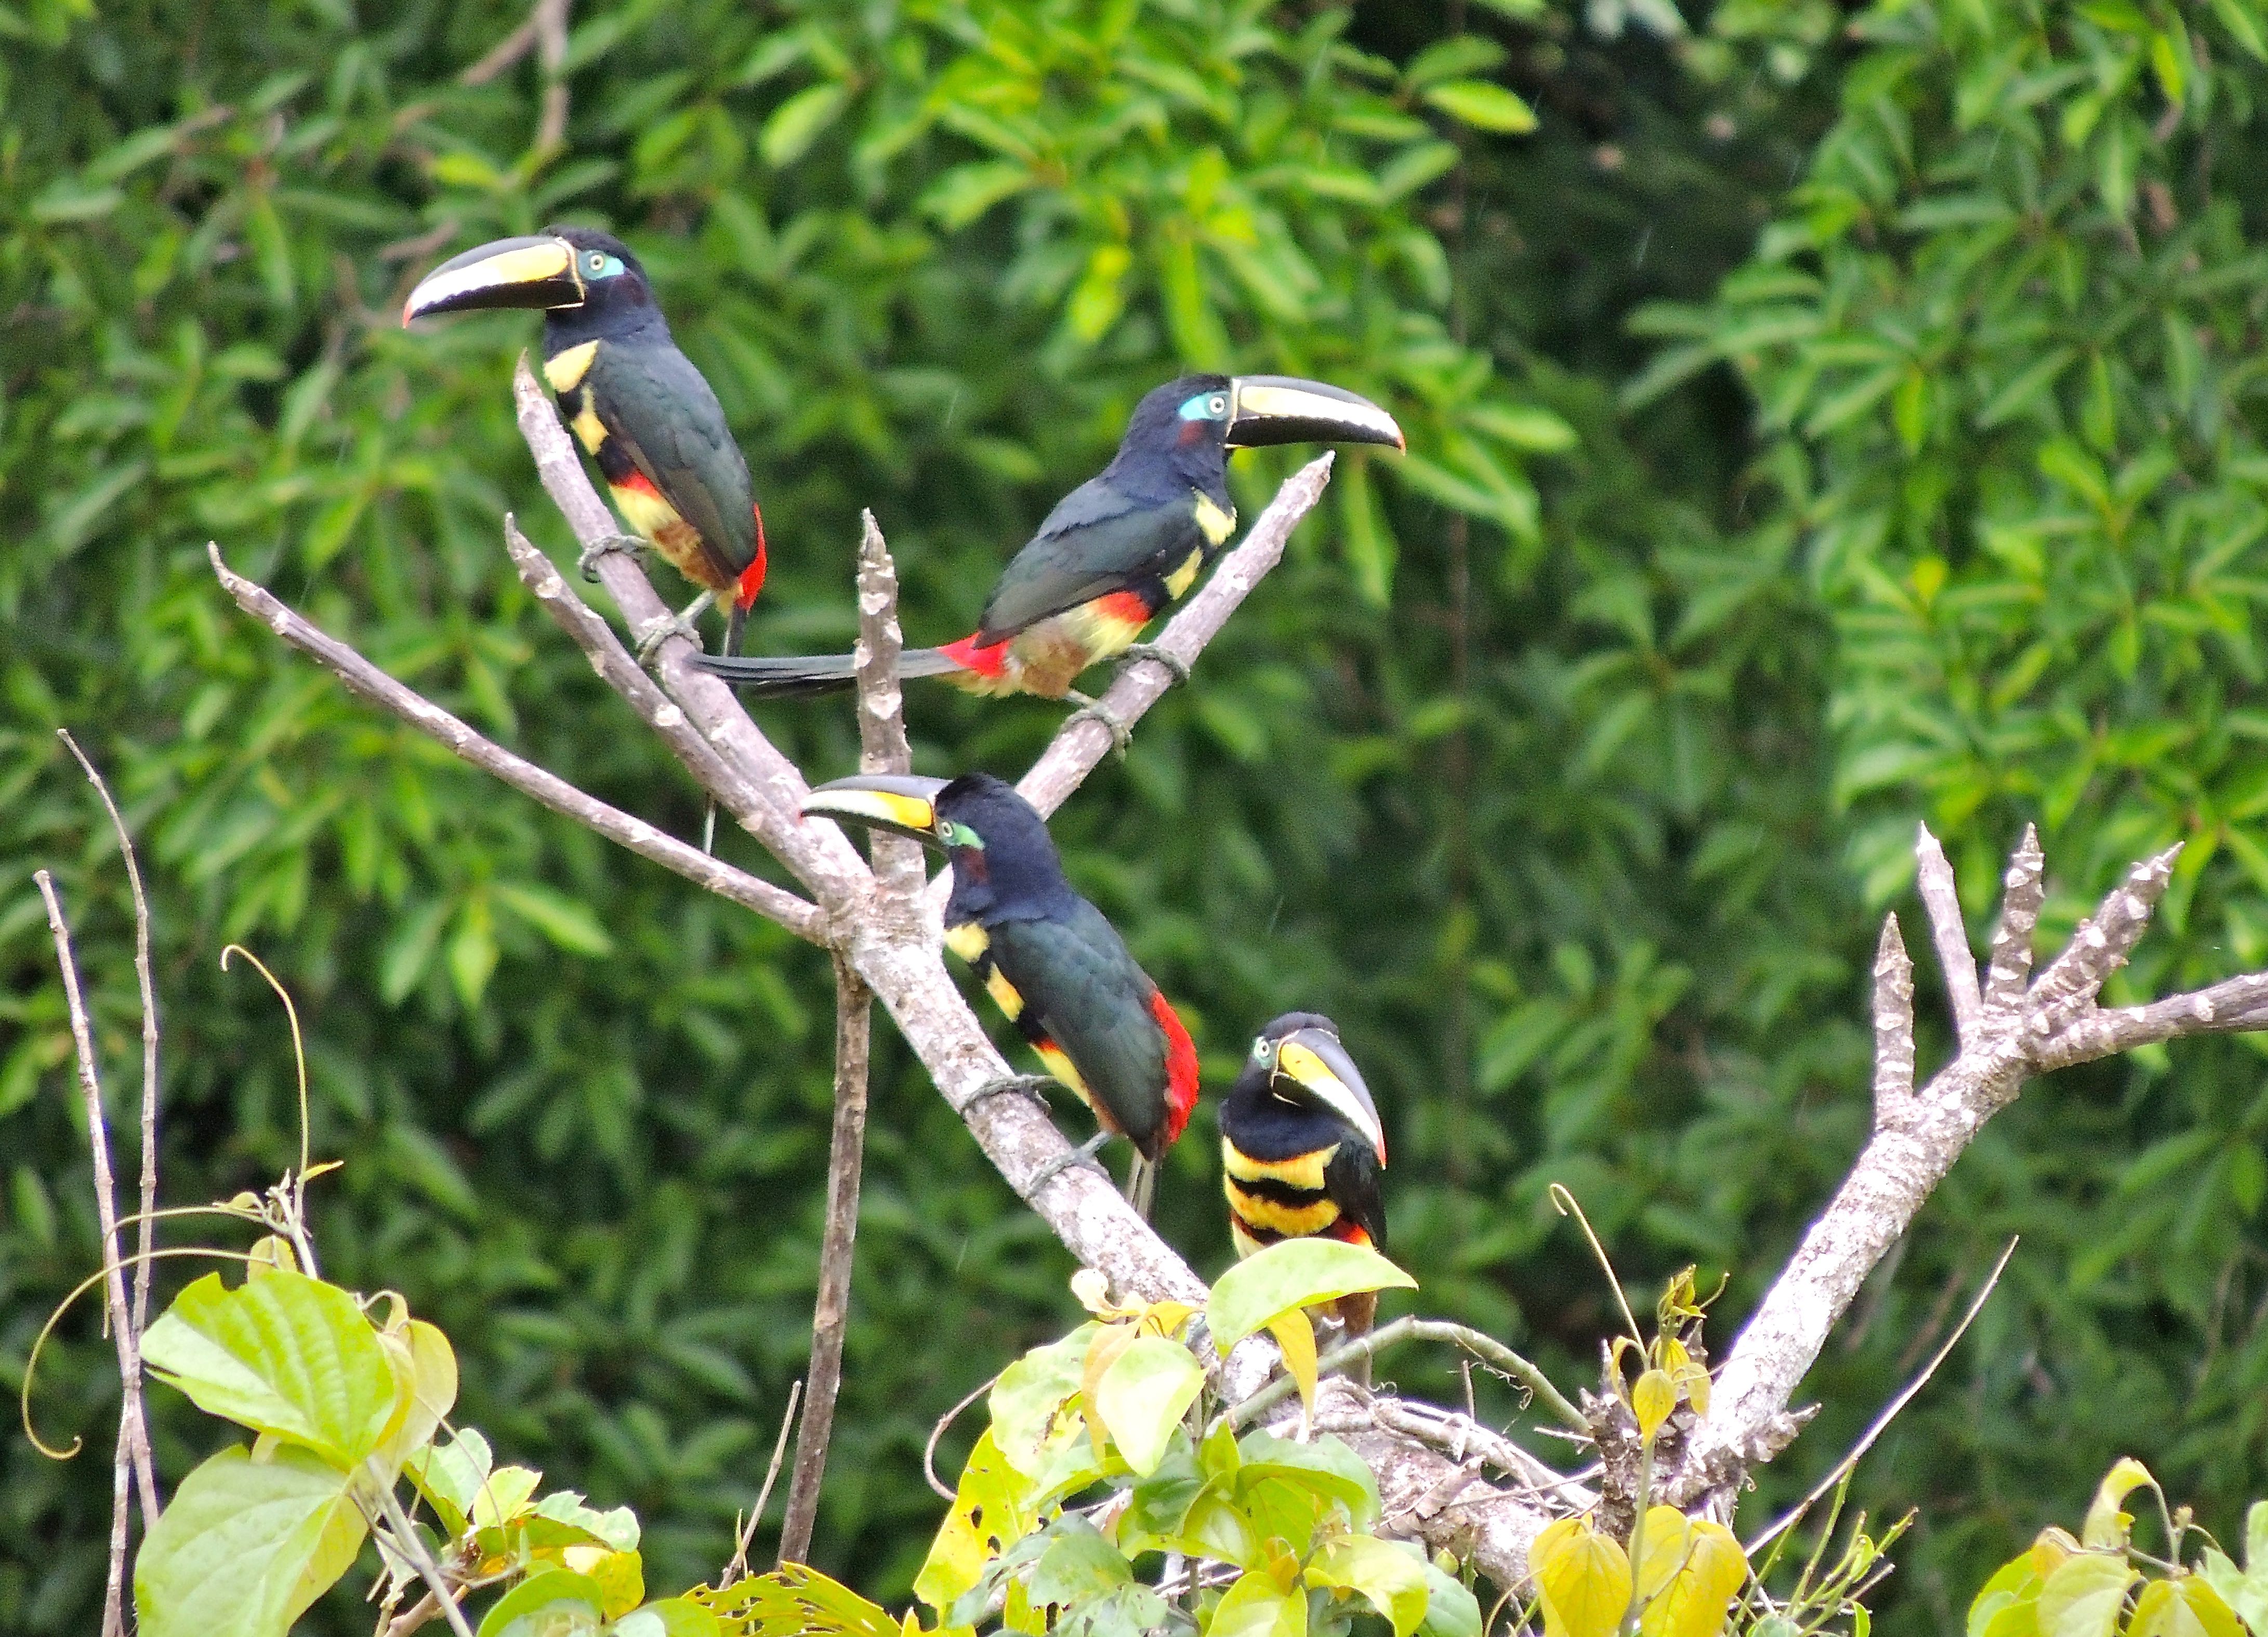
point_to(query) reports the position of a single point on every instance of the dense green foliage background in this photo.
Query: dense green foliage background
(1826, 418)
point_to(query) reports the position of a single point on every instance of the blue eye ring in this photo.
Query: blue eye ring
(1206, 405)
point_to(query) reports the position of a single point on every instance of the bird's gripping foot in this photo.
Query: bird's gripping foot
(587, 563)
(1122, 737)
(1084, 1154)
(1171, 661)
(1031, 1086)
(655, 632)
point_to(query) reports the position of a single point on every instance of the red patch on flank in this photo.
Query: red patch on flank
(985, 660)
(1352, 1233)
(638, 484)
(1129, 606)
(752, 578)
(1180, 1069)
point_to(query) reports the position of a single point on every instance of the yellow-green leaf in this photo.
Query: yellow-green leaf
(1256, 1606)
(1652, 1397)
(1482, 105)
(284, 1355)
(1144, 1395)
(2187, 1607)
(1295, 1273)
(1295, 1337)
(2107, 1523)
(2083, 1596)
(552, 1602)
(1698, 1594)
(1390, 1579)
(989, 1514)
(1582, 1578)
(425, 1374)
(245, 1547)
(797, 123)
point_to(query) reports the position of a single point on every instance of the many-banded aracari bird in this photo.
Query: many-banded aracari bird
(647, 417)
(1301, 1148)
(1116, 549)
(1057, 970)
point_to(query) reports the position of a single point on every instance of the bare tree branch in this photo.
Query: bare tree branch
(134, 1431)
(1950, 933)
(365, 679)
(1894, 1024)
(2021, 898)
(2019, 1034)
(882, 745)
(815, 852)
(133, 1447)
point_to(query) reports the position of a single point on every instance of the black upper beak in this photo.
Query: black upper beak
(532, 272)
(1315, 1062)
(904, 804)
(1282, 409)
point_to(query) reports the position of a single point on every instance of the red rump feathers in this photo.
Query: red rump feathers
(752, 578)
(988, 660)
(1181, 1069)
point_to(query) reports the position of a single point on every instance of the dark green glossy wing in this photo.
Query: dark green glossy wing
(1082, 988)
(1095, 541)
(669, 420)
(1351, 1181)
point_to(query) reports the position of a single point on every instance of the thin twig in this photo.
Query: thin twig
(1565, 1202)
(882, 744)
(1894, 1024)
(406, 1537)
(135, 1438)
(1891, 1411)
(2021, 894)
(831, 1313)
(936, 1433)
(2101, 945)
(738, 1568)
(1933, 876)
(365, 679)
(1486, 1348)
(131, 1451)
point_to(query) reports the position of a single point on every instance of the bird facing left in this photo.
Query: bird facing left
(647, 417)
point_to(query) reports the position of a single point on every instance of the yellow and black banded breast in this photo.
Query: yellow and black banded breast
(1273, 1199)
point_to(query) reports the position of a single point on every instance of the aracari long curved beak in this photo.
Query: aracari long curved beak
(1282, 408)
(537, 271)
(904, 804)
(1322, 1074)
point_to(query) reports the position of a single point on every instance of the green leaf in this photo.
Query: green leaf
(1391, 1579)
(2107, 1523)
(1582, 1578)
(2016, 1581)
(424, 1369)
(991, 1512)
(671, 1617)
(1451, 1608)
(1257, 1607)
(552, 1602)
(285, 1354)
(1697, 1598)
(1144, 1395)
(1482, 105)
(798, 122)
(571, 925)
(245, 1547)
(1295, 1273)
(1028, 1419)
(796, 1601)
(2241, 20)
(2187, 1607)
(1078, 1563)
(1323, 1467)
(450, 1475)
(2083, 1596)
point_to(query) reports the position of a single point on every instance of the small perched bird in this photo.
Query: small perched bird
(1301, 1148)
(1116, 549)
(647, 417)
(1056, 967)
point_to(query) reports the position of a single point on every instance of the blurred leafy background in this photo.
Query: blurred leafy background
(1823, 416)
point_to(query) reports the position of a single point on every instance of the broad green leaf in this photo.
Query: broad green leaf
(988, 1516)
(2242, 19)
(2107, 1523)
(244, 1546)
(2016, 1581)
(1697, 1598)
(2187, 1607)
(551, 1602)
(285, 1354)
(1294, 1273)
(568, 924)
(503, 1495)
(1144, 1395)
(1390, 1578)
(449, 1475)
(620, 1576)
(1323, 1468)
(1255, 1606)
(1077, 1564)
(1482, 105)
(1451, 1608)
(1652, 1397)
(617, 1527)
(2083, 1596)
(1582, 1578)
(1028, 1401)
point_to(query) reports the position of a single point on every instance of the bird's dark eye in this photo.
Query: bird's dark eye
(598, 261)
(1218, 404)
